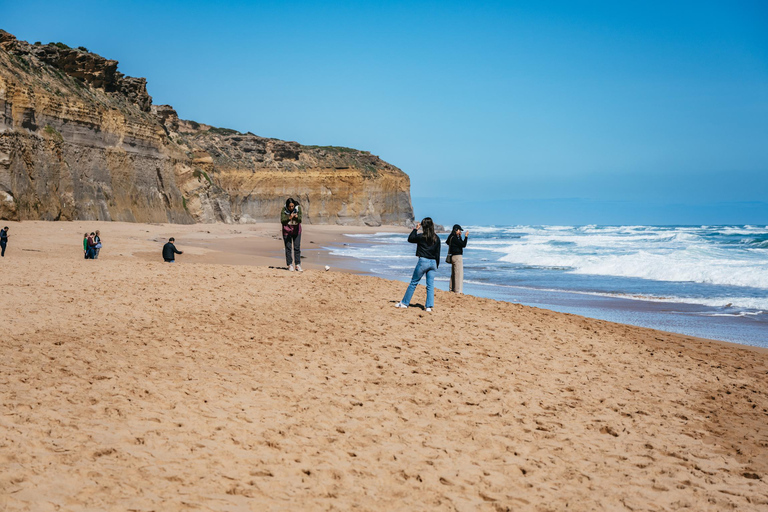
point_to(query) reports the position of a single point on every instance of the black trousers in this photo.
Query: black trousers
(2, 245)
(294, 241)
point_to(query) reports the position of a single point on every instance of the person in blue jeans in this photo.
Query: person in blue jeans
(428, 251)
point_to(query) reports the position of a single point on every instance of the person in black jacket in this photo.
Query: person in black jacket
(456, 258)
(169, 251)
(90, 248)
(3, 240)
(428, 251)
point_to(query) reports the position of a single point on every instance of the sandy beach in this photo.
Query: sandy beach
(223, 382)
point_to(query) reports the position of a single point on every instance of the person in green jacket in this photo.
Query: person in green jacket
(290, 218)
(85, 245)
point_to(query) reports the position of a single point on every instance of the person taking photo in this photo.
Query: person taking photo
(428, 251)
(456, 258)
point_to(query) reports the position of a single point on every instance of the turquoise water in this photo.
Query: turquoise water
(708, 281)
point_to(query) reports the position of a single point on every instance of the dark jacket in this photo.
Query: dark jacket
(168, 252)
(455, 244)
(291, 227)
(3, 236)
(424, 249)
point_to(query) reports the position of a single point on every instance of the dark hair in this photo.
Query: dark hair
(93, 233)
(289, 201)
(6, 227)
(171, 239)
(456, 227)
(428, 228)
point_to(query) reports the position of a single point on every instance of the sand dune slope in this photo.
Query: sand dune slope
(134, 385)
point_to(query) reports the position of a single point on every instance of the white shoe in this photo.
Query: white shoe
(299, 269)
(290, 267)
(401, 305)
(429, 310)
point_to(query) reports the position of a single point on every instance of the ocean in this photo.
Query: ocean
(706, 281)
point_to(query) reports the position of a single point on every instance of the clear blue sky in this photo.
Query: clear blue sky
(501, 112)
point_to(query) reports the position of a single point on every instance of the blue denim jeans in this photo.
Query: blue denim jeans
(424, 266)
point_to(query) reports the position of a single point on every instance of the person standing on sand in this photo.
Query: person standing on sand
(290, 218)
(3, 240)
(97, 245)
(428, 251)
(170, 251)
(85, 245)
(456, 258)
(90, 246)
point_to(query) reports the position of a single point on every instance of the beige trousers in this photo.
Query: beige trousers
(457, 274)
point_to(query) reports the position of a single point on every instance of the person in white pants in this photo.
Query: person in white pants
(456, 258)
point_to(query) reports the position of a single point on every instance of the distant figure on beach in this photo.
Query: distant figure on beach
(428, 251)
(456, 258)
(96, 245)
(290, 218)
(85, 245)
(170, 251)
(90, 246)
(3, 240)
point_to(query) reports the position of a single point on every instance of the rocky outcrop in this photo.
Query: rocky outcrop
(80, 140)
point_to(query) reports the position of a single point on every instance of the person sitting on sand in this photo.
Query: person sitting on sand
(3, 240)
(456, 258)
(428, 251)
(290, 218)
(170, 251)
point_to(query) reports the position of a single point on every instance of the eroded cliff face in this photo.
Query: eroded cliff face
(79, 140)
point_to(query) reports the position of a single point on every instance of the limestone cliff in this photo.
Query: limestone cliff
(79, 140)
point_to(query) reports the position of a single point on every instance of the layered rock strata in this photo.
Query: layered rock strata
(79, 140)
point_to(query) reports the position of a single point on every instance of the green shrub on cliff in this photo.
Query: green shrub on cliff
(197, 173)
(20, 61)
(223, 131)
(53, 133)
(335, 149)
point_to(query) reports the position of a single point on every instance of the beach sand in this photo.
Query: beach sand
(219, 383)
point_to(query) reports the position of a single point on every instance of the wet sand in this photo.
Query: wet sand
(130, 384)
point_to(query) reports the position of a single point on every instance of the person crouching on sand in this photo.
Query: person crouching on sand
(290, 218)
(170, 251)
(456, 258)
(428, 251)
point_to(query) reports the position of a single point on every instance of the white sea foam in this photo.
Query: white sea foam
(689, 264)
(713, 256)
(646, 252)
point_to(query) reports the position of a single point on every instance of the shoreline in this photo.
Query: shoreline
(260, 245)
(679, 316)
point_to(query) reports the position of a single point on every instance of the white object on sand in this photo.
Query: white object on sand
(327, 268)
